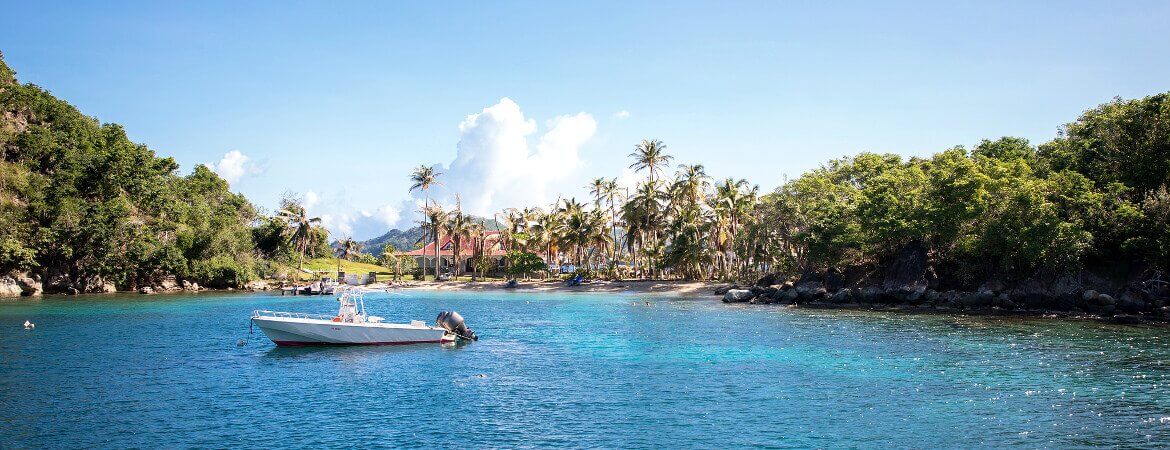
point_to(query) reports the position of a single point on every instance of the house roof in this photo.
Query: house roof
(447, 247)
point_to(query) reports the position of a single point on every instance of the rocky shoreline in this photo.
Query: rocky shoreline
(1068, 295)
(29, 285)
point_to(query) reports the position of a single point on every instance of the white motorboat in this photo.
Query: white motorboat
(352, 326)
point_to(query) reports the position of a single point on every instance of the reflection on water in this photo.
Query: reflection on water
(574, 370)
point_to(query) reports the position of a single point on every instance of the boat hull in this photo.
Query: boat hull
(296, 332)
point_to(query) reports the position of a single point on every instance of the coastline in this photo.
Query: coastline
(673, 287)
(707, 290)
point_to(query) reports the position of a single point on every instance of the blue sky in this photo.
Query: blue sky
(342, 99)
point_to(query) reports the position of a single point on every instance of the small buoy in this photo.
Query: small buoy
(29, 325)
(241, 343)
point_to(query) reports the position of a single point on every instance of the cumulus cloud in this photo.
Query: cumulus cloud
(497, 166)
(344, 220)
(311, 199)
(621, 114)
(630, 179)
(235, 165)
(338, 225)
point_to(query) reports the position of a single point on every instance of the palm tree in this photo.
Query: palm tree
(692, 183)
(611, 192)
(733, 203)
(643, 216)
(650, 155)
(458, 227)
(597, 189)
(687, 249)
(423, 178)
(436, 216)
(545, 230)
(477, 234)
(301, 230)
(346, 249)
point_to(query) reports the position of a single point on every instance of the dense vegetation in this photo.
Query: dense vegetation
(1094, 197)
(87, 210)
(394, 240)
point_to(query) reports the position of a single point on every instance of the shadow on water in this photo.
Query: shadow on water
(355, 351)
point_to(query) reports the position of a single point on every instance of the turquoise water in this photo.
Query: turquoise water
(574, 370)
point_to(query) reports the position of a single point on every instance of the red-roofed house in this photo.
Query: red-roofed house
(425, 257)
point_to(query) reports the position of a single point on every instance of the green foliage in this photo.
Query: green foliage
(1003, 209)
(223, 271)
(79, 199)
(520, 263)
(400, 265)
(1123, 141)
(15, 256)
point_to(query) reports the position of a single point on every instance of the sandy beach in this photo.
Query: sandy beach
(674, 287)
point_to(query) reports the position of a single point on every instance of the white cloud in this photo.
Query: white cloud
(235, 165)
(338, 225)
(496, 167)
(623, 114)
(311, 199)
(343, 220)
(388, 214)
(630, 179)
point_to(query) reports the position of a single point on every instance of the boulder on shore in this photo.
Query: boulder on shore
(9, 288)
(718, 291)
(769, 279)
(30, 284)
(787, 295)
(737, 296)
(168, 283)
(842, 296)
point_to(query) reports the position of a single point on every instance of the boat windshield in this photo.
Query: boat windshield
(352, 305)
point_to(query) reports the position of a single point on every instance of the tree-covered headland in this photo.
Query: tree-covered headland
(1006, 223)
(84, 209)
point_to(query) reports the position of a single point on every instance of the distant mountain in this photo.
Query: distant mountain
(406, 240)
(398, 239)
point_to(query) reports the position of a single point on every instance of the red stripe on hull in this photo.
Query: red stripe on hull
(319, 344)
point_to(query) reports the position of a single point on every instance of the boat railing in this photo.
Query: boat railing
(291, 315)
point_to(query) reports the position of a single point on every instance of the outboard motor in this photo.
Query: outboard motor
(453, 322)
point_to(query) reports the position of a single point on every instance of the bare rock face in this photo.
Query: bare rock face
(168, 284)
(1032, 293)
(808, 290)
(842, 296)
(95, 285)
(29, 284)
(61, 284)
(905, 279)
(871, 294)
(9, 287)
(787, 295)
(834, 280)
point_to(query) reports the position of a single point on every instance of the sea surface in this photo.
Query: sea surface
(574, 370)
